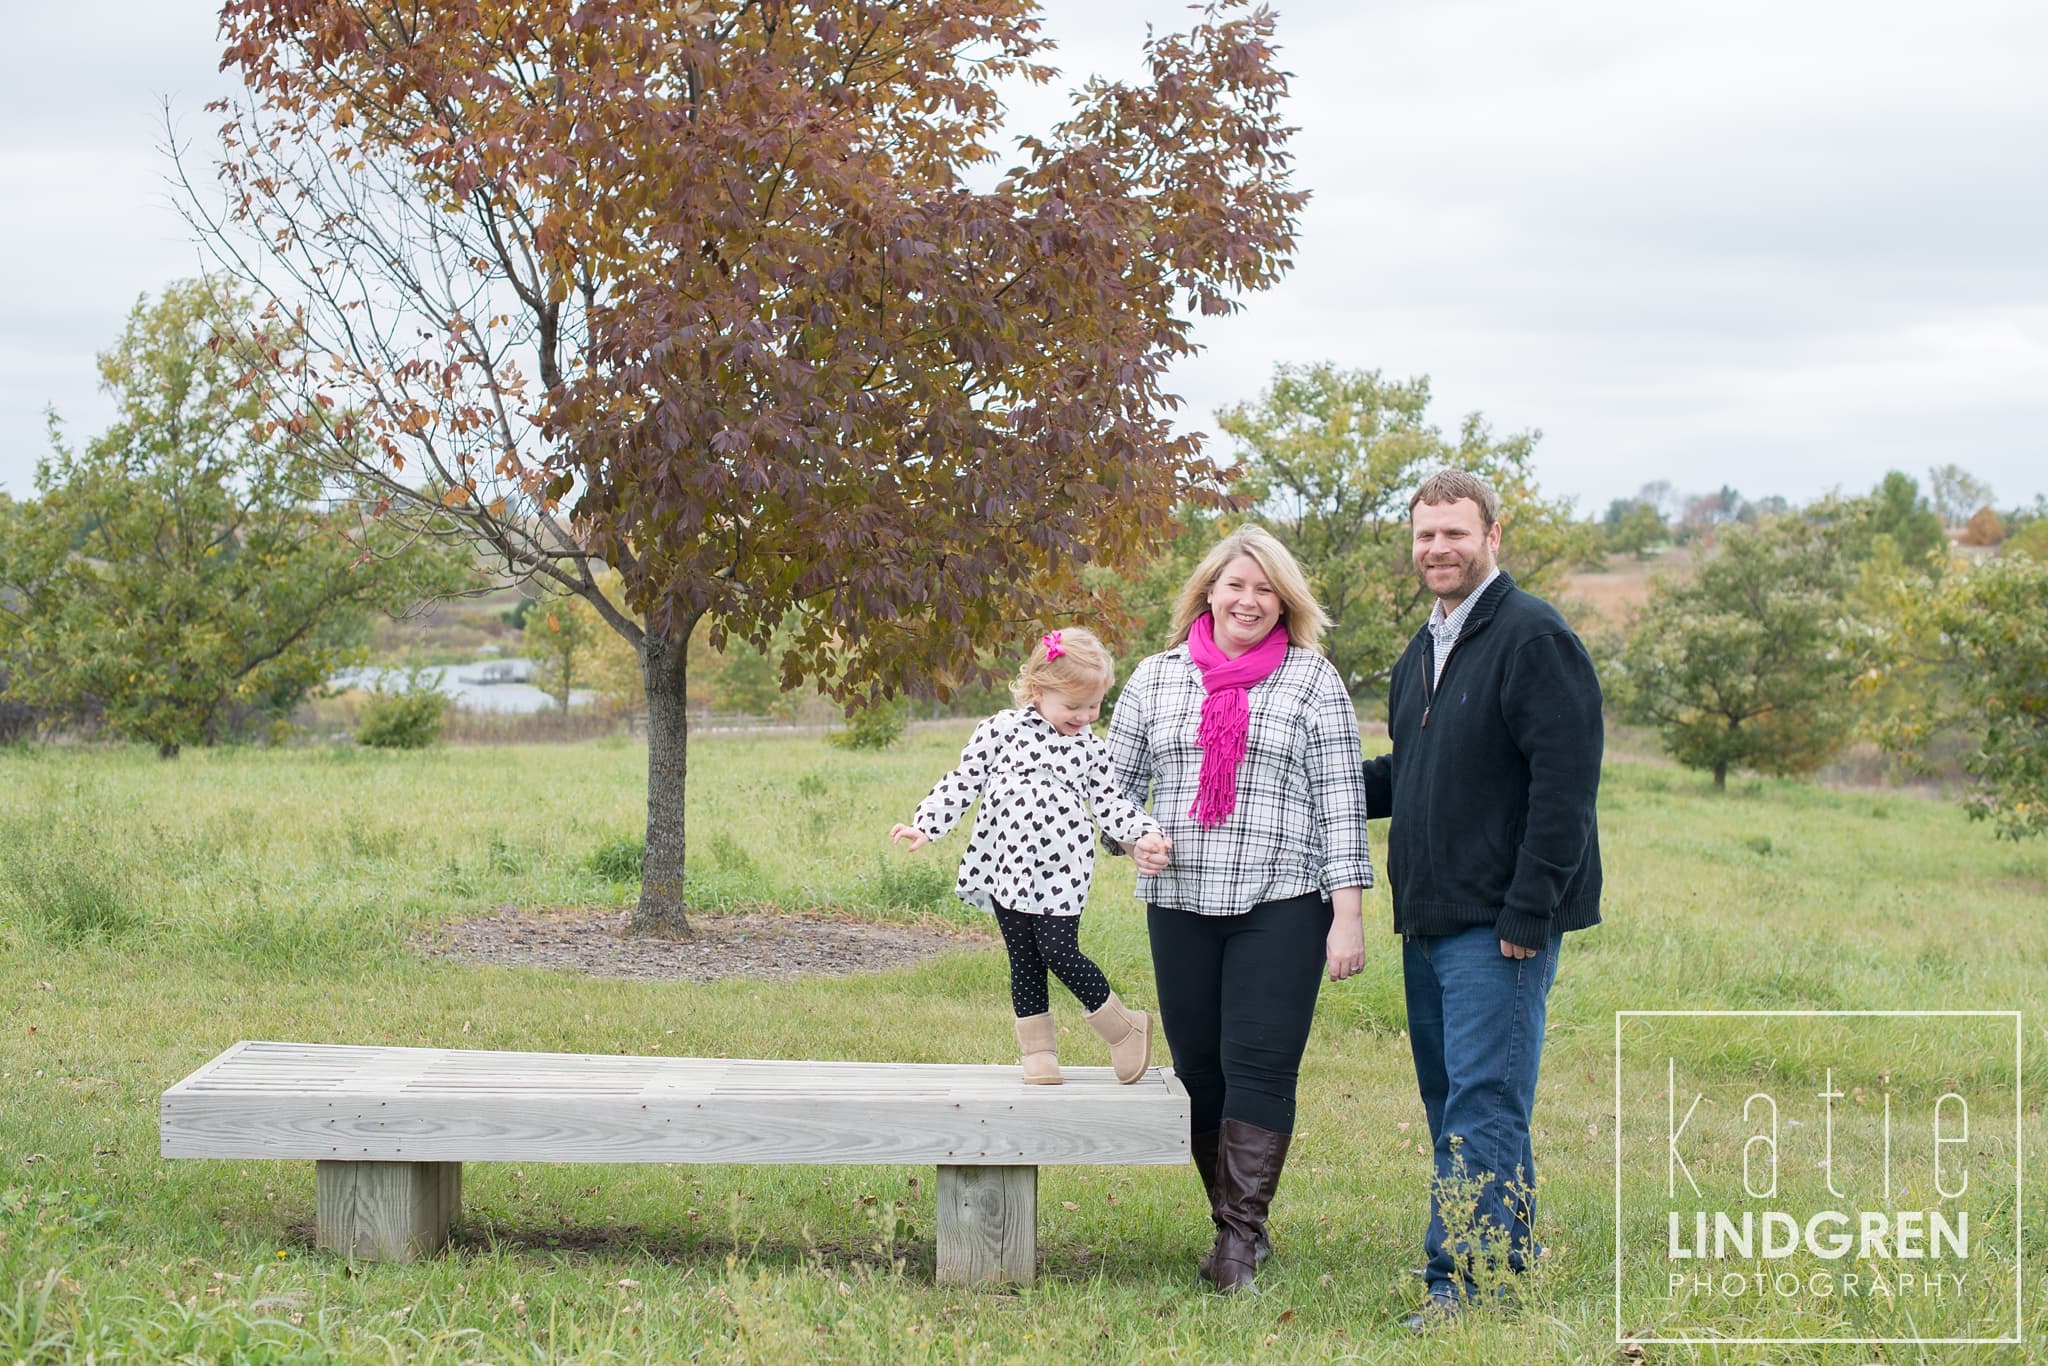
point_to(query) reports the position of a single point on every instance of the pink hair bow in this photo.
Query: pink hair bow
(1053, 648)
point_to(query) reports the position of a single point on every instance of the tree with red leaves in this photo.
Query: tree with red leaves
(702, 290)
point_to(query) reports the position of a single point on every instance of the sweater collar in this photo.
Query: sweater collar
(1488, 601)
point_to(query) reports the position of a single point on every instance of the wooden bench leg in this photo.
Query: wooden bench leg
(386, 1211)
(988, 1224)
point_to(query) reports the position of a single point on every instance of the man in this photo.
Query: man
(1494, 713)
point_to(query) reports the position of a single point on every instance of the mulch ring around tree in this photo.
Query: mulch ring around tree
(749, 944)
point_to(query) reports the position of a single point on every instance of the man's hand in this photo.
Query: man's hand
(1151, 854)
(910, 835)
(1508, 950)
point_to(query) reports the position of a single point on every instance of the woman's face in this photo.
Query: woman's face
(1243, 605)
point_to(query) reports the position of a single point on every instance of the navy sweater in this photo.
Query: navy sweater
(1493, 776)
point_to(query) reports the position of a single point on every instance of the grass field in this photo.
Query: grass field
(152, 913)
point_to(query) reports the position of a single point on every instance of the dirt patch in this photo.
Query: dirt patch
(774, 947)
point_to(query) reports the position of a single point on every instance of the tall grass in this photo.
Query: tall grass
(152, 913)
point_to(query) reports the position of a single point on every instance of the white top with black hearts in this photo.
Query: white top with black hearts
(1033, 848)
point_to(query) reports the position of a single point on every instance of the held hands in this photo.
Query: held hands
(910, 835)
(1151, 853)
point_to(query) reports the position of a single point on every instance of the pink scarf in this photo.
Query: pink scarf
(1226, 713)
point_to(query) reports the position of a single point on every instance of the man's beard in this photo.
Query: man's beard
(1473, 574)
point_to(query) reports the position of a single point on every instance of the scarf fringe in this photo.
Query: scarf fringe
(1225, 728)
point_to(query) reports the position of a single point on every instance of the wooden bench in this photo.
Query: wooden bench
(389, 1130)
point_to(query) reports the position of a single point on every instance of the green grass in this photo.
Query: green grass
(152, 913)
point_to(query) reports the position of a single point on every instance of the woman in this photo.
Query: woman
(1244, 737)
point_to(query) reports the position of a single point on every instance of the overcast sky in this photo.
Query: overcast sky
(1780, 246)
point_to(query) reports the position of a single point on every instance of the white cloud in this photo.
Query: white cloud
(1785, 247)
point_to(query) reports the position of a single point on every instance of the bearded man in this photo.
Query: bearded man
(1494, 714)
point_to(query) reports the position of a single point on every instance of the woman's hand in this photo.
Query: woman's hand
(910, 835)
(1150, 854)
(1345, 948)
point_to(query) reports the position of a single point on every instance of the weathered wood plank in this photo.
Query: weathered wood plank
(385, 1211)
(582, 1129)
(988, 1224)
(434, 1105)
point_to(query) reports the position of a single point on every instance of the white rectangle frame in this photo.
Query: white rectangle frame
(2017, 1339)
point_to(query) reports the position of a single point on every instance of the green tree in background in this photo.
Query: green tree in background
(1956, 494)
(1633, 527)
(749, 682)
(1979, 638)
(186, 567)
(1750, 663)
(1329, 457)
(560, 641)
(1896, 512)
(2031, 540)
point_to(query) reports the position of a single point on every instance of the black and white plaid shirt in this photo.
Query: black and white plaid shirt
(1299, 824)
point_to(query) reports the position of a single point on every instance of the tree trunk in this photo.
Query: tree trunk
(664, 667)
(1720, 775)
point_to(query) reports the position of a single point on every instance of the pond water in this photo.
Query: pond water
(501, 686)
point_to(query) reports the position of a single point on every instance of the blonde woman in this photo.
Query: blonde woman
(1242, 738)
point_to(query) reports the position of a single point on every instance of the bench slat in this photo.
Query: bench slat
(429, 1105)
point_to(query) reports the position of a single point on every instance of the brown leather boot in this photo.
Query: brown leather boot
(1129, 1036)
(1038, 1042)
(1203, 1147)
(1248, 1166)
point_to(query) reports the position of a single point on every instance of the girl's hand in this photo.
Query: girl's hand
(910, 835)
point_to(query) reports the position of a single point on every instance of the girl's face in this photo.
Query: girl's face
(1071, 712)
(1243, 605)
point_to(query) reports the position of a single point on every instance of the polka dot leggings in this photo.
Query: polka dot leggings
(1039, 942)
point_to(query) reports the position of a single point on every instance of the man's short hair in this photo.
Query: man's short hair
(1448, 486)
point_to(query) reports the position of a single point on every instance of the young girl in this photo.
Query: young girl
(1038, 769)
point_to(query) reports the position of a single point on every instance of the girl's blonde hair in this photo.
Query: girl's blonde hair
(1299, 611)
(1081, 662)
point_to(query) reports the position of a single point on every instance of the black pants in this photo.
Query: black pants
(1039, 942)
(1237, 994)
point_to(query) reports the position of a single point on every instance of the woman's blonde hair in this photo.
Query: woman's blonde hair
(1299, 611)
(1081, 662)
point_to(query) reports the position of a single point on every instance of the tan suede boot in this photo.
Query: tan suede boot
(1129, 1036)
(1037, 1041)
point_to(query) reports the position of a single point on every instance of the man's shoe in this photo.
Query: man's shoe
(1436, 1311)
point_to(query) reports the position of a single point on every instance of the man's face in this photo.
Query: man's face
(1454, 548)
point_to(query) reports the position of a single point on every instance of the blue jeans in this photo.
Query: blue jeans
(1475, 1025)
